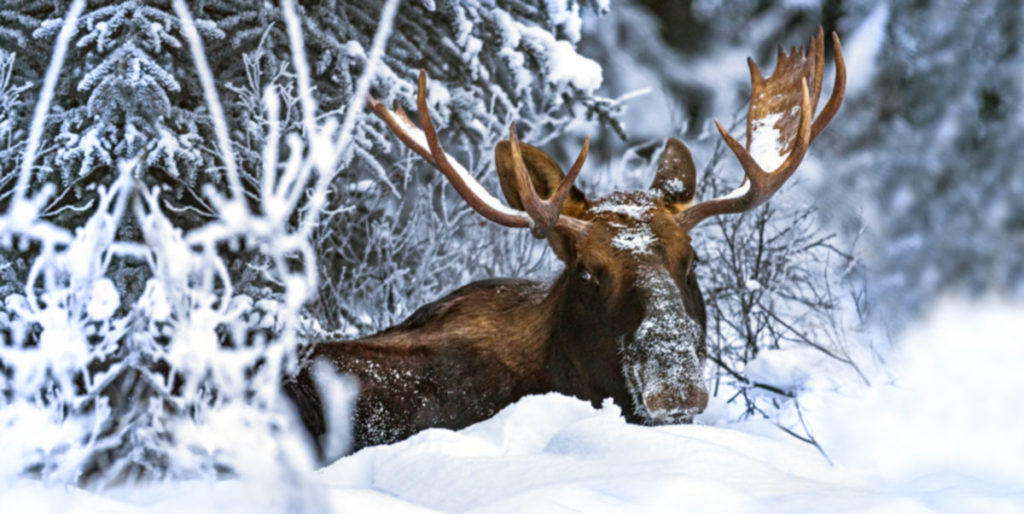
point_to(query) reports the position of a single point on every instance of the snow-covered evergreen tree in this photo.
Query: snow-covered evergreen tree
(129, 60)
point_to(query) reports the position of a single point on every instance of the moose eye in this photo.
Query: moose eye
(585, 276)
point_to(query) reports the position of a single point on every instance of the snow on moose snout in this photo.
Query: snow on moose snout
(664, 371)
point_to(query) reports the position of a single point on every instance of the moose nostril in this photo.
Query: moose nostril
(667, 402)
(696, 396)
(663, 400)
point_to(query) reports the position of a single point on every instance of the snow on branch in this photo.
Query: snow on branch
(43, 105)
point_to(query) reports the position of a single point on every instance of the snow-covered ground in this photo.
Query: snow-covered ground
(946, 434)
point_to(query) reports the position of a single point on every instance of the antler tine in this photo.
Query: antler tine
(546, 214)
(838, 91)
(541, 216)
(763, 183)
(440, 158)
(769, 104)
(532, 204)
(563, 189)
(425, 143)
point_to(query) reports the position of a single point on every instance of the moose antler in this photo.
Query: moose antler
(541, 216)
(778, 124)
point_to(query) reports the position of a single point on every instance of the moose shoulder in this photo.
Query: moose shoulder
(624, 320)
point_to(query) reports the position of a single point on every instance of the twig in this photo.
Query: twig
(749, 382)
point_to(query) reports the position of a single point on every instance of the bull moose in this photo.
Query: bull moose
(625, 319)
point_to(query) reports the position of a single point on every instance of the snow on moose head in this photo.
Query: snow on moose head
(626, 319)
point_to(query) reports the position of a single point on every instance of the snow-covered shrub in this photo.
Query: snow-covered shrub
(784, 303)
(59, 323)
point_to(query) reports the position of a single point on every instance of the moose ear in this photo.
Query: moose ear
(546, 175)
(544, 172)
(677, 177)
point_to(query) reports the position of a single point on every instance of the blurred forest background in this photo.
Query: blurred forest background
(921, 167)
(912, 193)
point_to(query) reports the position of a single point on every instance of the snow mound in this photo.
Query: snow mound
(552, 453)
(948, 415)
(946, 436)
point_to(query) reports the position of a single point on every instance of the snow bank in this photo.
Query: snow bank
(945, 436)
(557, 454)
(949, 417)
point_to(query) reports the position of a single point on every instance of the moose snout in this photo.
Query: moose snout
(676, 404)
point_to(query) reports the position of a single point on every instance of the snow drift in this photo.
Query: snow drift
(945, 437)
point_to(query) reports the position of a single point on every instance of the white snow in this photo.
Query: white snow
(563, 64)
(674, 186)
(104, 299)
(636, 211)
(948, 417)
(739, 191)
(790, 369)
(567, 15)
(765, 142)
(945, 435)
(634, 240)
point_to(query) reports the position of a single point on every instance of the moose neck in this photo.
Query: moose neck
(582, 353)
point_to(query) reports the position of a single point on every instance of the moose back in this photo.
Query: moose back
(625, 319)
